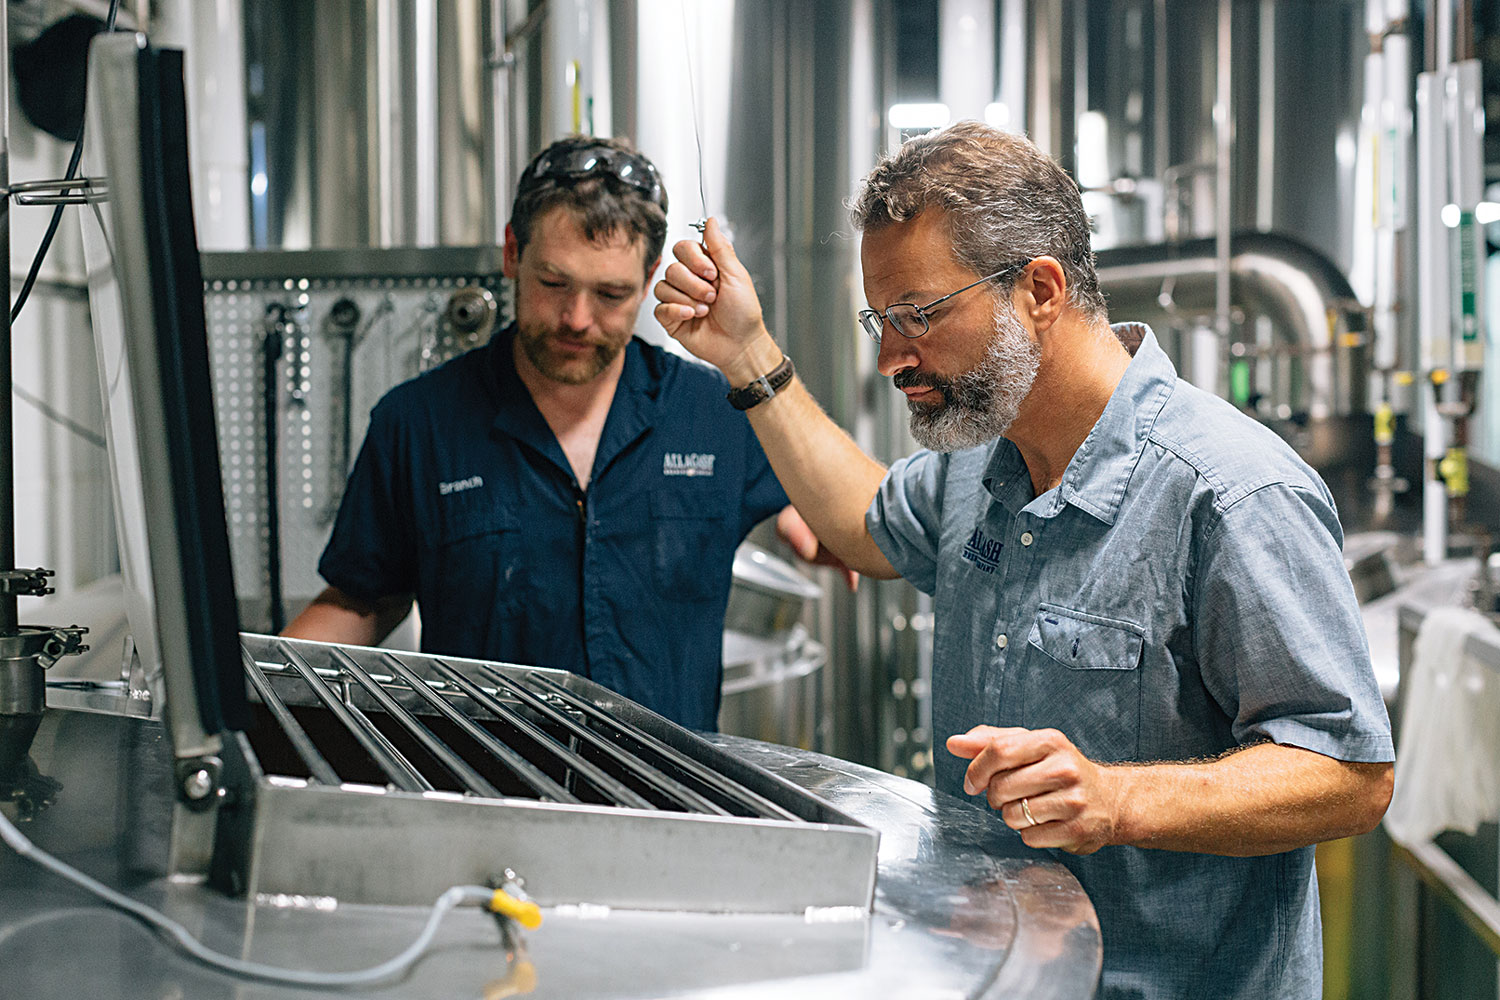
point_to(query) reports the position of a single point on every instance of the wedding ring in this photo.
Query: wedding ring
(1026, 811)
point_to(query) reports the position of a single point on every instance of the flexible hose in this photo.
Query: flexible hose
(177, 935)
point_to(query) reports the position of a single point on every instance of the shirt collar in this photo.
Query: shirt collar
(631, 412)
(1095, 479)
(1100, 469)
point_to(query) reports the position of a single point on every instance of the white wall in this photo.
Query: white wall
(63, 511)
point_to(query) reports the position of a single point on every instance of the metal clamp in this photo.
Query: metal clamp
(59, 191)
(45, 644)
(26, 582)
(65, 640)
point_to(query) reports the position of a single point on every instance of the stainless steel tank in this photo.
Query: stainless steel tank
(790, 101)
(772, 665)
(369, 123)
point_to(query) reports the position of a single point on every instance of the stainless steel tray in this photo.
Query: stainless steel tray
(359, 754)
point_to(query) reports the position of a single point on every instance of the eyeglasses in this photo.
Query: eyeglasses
(911, 320)
(586, 161)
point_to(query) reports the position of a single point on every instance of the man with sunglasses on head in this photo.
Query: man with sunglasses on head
(567, 495)
(1147, 652)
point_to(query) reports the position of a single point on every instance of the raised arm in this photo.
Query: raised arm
(708, 303)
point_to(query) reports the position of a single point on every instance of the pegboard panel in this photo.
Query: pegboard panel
(321, 336)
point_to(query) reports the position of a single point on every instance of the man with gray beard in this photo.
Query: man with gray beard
(1147, 653)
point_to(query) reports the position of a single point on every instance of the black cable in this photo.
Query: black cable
(271, 350)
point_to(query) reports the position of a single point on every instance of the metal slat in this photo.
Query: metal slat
(540, 781)
(622, 794)
(684, 796)
(460, 768)
(321, 771)
(757, 804)
(398, 770)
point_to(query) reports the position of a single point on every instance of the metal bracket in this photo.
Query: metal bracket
(58, 191)
(26, 582)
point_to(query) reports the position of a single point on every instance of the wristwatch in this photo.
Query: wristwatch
(764, 387)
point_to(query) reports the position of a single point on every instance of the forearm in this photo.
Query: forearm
(1261, 800)
(334, 616)
(827, 477)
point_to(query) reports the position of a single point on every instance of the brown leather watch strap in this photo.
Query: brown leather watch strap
(764, 387)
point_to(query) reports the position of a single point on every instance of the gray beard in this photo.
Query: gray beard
(980, 404)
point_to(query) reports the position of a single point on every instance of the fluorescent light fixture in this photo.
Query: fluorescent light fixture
(1487, 212)
(1450, 216)
(997, 114)
(914, 116)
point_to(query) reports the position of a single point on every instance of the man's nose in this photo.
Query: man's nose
(578, 313)
(897, 353)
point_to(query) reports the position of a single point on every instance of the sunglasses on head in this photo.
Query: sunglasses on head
(590, 161)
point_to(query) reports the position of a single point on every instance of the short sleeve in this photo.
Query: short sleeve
(372, 552)
(1277, 629)
(763, 494)
(905, 518)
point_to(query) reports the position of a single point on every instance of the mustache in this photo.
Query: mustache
(913, 379)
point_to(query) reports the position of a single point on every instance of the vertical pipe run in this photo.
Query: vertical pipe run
(1161, 147)
(9, 618)
(1224, 138)
(428, 143)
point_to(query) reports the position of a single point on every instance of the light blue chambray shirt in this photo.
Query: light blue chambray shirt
(1181, 593)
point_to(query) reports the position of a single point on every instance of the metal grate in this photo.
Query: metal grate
(485, 731)
(377, 776)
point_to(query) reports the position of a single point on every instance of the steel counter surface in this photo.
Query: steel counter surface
(962, 908)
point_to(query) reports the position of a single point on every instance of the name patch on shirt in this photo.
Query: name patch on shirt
(459, 485)
(982, 551)
(691, 464)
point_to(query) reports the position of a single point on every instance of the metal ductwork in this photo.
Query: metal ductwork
(1315, 356)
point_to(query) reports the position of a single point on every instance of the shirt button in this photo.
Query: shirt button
(1026, 538)
(1001, 641)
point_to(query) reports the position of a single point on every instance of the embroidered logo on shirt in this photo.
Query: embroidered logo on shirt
(691, 464)
(459, 485)
(982, 551)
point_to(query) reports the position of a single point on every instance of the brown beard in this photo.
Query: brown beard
(536, 344)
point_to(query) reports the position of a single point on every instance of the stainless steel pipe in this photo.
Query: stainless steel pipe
(1306, 297)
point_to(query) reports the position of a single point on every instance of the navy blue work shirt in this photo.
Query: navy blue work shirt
(462, 495)
(1180, 594)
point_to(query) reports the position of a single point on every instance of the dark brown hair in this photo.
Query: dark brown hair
(601, 202)
(1006, 201)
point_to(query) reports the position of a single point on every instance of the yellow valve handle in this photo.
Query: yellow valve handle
(1385, 424)
(522, 911)
(1454, 468)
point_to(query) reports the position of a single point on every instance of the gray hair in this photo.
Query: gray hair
(1006, 202)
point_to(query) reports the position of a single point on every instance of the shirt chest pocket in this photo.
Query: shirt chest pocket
(476, 572)
(691, 544)
(1084, 679)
